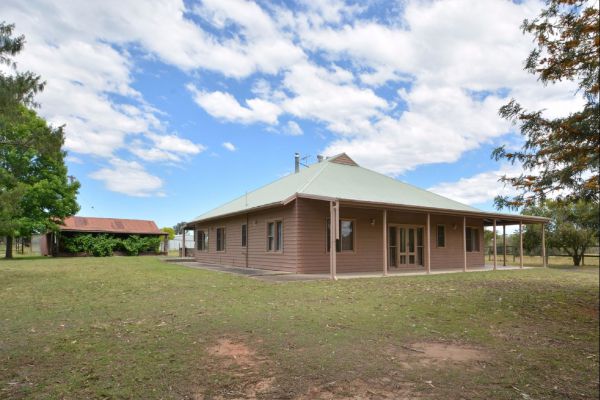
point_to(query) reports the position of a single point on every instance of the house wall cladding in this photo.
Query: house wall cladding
(305, 241)
(312, 236)
(368, 251)
(255, 254)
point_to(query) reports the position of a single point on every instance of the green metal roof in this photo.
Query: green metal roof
(330, 179)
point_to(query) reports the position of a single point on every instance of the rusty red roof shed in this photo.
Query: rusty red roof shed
(111, 225)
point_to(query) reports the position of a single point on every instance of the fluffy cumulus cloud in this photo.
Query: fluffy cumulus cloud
(448, 65)
(479, 188)
(130, 178)
(224, 106)
(411, 85)
(81, 52)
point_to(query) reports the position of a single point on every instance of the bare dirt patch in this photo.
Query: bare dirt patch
(450, 352)
(434, 353)
(360, 389)
(590, 311)
(249, 373)
(234, 352)
(262, 386)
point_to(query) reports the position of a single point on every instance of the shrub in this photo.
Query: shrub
(153, 243)
(135, 244)
(80, 243)
(103, 245)
(96, 245)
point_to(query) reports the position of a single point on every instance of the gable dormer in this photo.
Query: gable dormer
(344, 159)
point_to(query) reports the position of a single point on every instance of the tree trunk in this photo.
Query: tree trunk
(9, 245)
(576, 259)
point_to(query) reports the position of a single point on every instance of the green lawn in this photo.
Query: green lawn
(140, 328)
(536, 261)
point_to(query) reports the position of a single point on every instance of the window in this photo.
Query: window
(441, 236)
(275, 236)
(270, 236)
(244, 235)
(472, 239)
(220, 239)
(279, 236)
(346, 241)
(202, 240)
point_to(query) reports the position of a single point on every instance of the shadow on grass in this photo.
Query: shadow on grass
(19, 258)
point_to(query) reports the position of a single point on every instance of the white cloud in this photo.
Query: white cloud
(447, 50)
(344, 108)
(81, 51)
(229, 146)
(165, 148)
(130, 178)
(293, 129)
(479, 188)
(452, 64)
(224, 106)
(396, 92)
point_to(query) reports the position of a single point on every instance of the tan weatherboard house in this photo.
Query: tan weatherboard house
(380, 224)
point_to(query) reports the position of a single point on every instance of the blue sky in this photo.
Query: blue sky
(172, 108)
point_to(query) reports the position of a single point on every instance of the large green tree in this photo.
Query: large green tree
(559, 155)
(573, 227)
(35, 192)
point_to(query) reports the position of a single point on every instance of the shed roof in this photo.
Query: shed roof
(339, 178)
(110, 225)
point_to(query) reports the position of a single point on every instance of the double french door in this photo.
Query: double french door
(405, 246)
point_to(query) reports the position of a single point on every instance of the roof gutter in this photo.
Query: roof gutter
(483, 214)
(233, 214)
